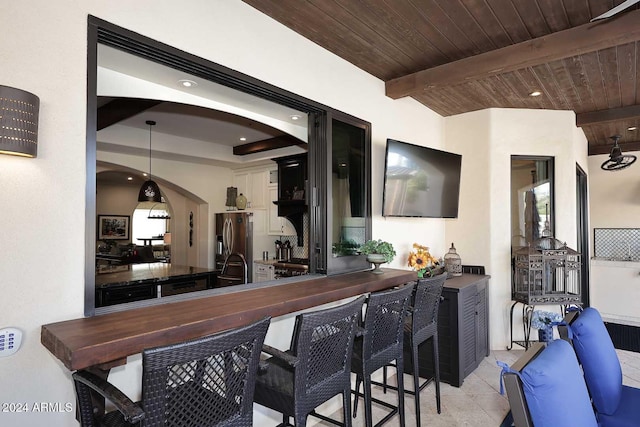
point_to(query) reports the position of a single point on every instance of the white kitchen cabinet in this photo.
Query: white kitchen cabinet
(253, 184)
(263, 272)
(259, 181)
(278, 226)
(241, 180)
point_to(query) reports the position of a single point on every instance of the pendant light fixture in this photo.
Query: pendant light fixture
(150, 192)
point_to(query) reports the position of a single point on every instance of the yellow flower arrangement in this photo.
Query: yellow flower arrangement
(422, 261)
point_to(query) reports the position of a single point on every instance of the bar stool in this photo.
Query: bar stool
(316, 368)
(418, 328)
(204, 382)
(379, 345)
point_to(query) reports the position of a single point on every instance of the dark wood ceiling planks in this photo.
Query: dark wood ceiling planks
(393, 39)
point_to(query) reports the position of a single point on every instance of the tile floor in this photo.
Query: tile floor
(478, 402)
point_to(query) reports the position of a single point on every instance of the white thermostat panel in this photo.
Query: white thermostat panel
(10, 340)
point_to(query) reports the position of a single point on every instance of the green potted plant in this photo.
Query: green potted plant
(378, 252)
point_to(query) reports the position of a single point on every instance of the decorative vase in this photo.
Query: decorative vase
(545, 334)
(452, 262)
(241, 202)
(376, 260)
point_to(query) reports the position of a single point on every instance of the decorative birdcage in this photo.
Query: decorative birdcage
(547, 272)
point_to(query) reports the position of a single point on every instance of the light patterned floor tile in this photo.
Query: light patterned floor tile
(477, 403)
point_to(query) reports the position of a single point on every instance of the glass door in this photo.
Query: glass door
(349, 193)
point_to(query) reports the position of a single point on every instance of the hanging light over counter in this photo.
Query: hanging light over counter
(150, 192)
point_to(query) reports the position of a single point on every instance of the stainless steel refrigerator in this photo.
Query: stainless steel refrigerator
(234, 235)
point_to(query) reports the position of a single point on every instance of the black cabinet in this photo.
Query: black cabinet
(292, 191)
(126, 293)
(176, 287)
(463, 330)
(137, 290)
(292, 178)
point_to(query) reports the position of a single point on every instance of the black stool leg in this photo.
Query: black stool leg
(399, 374)
(346, 407)
(436, 369)
(416, 380)
(367, 402)
(355, 396)
(384, 379)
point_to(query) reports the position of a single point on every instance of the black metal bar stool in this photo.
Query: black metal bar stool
(316, 368)
(204, 382)
(421, 326)
(379, 345)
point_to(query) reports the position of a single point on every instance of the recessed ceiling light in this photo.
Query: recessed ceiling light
(187, 83)
(129, 178)
(242, 138)
(535, 93)
(632, 128)
(295, 117)
(144, 174)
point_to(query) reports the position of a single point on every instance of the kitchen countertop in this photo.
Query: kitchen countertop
(615, 262)
(149, 273)
(266, 261)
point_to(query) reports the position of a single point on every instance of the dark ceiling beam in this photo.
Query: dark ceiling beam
(611, 115)
(121, 109)
(575, 41)
(606, 149)
(266, 145)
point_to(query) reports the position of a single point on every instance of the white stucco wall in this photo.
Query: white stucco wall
(615, 203)
(43, 199)
(487, 139)
(617, 193)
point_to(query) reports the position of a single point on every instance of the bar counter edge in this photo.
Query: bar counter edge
(108, 339)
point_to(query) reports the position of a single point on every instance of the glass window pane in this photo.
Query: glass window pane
(348, 188)
(531, 200)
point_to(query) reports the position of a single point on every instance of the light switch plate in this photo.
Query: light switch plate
(10, 340)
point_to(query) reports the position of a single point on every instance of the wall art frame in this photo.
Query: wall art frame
(114, 227)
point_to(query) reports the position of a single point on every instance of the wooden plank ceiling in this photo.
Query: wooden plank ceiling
(456, 56)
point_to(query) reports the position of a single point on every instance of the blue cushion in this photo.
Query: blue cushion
(599, 360)
(555, 390)
(628, 413)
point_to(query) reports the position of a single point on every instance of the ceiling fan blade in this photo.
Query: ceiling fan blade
(619, 8)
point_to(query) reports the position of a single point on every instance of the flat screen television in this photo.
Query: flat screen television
(420, 181)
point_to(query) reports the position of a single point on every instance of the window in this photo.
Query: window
(319, 148)
(149, 222)
(531, 200)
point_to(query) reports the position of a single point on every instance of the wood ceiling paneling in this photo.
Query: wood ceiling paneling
(469, 55)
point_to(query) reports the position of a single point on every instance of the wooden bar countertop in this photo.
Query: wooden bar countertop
(108, 339)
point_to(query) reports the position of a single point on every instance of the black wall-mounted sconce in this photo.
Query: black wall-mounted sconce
(18, 122)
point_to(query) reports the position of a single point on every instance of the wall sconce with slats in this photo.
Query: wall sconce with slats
(18, 122)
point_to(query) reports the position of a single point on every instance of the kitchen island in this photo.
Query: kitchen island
(136, 282)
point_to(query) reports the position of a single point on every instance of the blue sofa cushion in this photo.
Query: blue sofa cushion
(599, 360)
(628, 413)
(555, 390)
